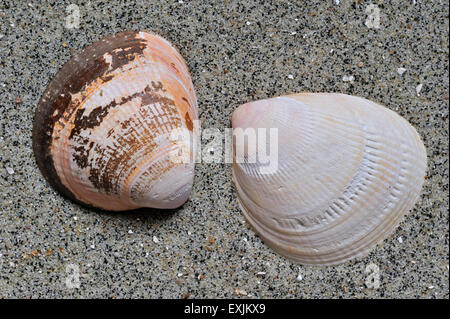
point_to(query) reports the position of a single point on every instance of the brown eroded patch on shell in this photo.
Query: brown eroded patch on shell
(97, 115)
(106, 164)
(188, 121)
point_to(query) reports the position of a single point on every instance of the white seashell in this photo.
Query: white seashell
(348, 170)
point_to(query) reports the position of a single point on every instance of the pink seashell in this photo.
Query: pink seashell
(101, 133)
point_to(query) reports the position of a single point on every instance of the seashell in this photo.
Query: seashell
(102, 129)
(348, 169)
